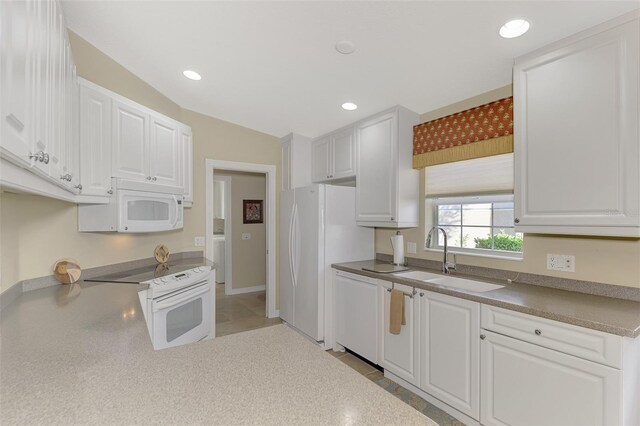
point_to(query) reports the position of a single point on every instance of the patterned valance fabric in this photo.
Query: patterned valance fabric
(478, 132)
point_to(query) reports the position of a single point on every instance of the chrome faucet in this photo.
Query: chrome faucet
(447, 267)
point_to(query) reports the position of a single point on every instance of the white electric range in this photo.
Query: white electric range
(179, 308)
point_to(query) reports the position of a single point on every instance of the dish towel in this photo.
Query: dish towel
(396, 312)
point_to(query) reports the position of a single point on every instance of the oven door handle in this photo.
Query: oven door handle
(170, 302)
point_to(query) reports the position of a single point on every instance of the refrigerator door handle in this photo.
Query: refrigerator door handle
(291, 251)
(294, 247)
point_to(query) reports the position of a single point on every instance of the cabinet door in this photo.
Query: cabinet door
(400, 353)
(165, 153)
(357, 315)
(320, 160)
(72, 121)
(451, 351)
(57, 145)
(525, 384)
(95, 142)
(42, 135)
(18, 51)
(376, 191)
(286, 164)
(187, 165)
(130, 146)
(343, 154)
(577, 155)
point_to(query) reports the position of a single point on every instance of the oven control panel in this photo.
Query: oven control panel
(177, 281)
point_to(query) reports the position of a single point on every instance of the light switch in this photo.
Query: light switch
(246, 236)
(199, 241)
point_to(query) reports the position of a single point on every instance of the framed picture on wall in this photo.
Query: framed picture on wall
(252, 211)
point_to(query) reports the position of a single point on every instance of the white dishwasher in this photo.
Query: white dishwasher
(356, 302)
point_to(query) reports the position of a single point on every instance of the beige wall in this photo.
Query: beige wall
(607, 260)
(249, 265)
(35, 231)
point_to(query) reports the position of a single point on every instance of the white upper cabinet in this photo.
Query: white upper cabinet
(386, 183)
(19, 55)
(186, 140)
(165, 152)
(344, 154)
(333, 156)
(95, 141)
(296, 157)
(577, 146)
(320, 160)
(130, 142)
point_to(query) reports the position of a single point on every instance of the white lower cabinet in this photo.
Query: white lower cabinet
(450, 352)
(400, 353)
(525, 384)
(356, 311)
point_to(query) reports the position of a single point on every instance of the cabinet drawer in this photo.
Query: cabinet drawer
(585, 343)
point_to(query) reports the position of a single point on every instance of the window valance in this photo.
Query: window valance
(478, 132)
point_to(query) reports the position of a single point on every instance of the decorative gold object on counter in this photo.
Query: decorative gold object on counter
(161, 253)
(67, 271)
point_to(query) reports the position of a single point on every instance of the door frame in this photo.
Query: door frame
(228, 244)
(270, 217)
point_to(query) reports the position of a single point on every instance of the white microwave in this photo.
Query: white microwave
(134, 208)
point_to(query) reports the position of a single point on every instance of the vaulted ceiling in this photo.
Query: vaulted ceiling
(273, 67)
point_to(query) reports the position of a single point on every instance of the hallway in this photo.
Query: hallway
(241, 312)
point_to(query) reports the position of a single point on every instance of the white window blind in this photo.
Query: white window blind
(487, 175)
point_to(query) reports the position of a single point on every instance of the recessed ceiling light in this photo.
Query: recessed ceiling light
(349, 106)
(345, 47)
(192, 75)
(514, 28)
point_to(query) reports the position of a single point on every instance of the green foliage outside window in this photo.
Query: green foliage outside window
(501, 241)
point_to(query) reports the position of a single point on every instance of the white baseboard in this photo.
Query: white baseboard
(243, 290)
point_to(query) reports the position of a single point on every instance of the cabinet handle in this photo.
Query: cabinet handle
(79, 187)
(516, 220)
(46, 158)
(392, 219)
(538, 332)
(66, 177)
(38, 156)
(148, 177)
(482, 337)
(110, 192)
(421, 294)
(154, 179)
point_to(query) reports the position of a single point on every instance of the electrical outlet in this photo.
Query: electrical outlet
(411, 248)
(199, 241)
(246, 236)
(561, 262)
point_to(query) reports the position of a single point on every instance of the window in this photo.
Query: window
(477, 224)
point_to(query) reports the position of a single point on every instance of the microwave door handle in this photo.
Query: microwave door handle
(172, 302)
(175, 211)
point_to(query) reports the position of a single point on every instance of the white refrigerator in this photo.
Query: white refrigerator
(317, 228)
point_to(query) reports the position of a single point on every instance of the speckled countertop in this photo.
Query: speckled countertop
(615, 316)
(81, 354)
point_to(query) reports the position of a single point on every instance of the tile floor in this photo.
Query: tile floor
(241, 312)
(372, 373)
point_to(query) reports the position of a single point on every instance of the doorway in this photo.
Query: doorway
(222, 219)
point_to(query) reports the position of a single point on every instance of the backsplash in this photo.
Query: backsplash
(580, 286)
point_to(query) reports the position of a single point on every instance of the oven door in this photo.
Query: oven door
(181, 317)
(148, 211)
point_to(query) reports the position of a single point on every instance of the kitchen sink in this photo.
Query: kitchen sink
(463, 284)
(417, 275)
(449, 281)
